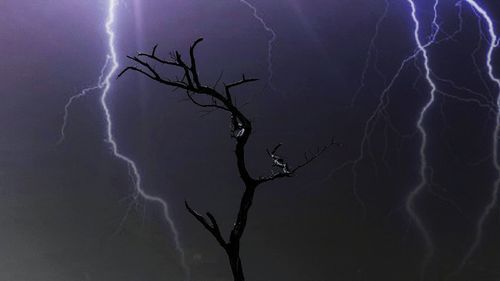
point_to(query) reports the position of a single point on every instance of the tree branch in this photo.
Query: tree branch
(215, 105)
(153, 74)
(135, 69)
(155, 58)
(285, 171)
(213, 229)
(193, 68)
(240, 82)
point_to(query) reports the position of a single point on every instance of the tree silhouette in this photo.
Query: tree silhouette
(241, 130)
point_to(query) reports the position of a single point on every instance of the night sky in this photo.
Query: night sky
(66, 211)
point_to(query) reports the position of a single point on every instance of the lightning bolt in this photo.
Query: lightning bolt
(104, 84)
(381, 112)
(424, 167)
(493, 43)
(425, 170)
(270, 42)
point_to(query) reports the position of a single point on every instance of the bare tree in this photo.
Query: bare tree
(241, 130)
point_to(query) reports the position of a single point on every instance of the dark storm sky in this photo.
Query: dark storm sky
(61, 206)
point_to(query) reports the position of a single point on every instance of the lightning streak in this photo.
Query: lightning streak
(270, 42)
(423, 171)
(371, 50)
(81, 94)
(369, 125)
(380, 112)
(493, 43)
(108, 71)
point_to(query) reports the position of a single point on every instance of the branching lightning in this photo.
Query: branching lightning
(380, 112)
(421, 51)
(108, 71)
(83, 93)
(270, 42)
(493, 43)
(431, 78)
(369, 125)
(369, 54)
(424, 166)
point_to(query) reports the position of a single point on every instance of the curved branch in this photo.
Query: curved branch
(193, 67)
(214, 105)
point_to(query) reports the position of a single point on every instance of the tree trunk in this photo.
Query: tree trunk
(233, 247)
(235, 262)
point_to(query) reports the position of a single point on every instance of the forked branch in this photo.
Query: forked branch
(213, 228)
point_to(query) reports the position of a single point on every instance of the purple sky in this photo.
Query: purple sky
(61, 206)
